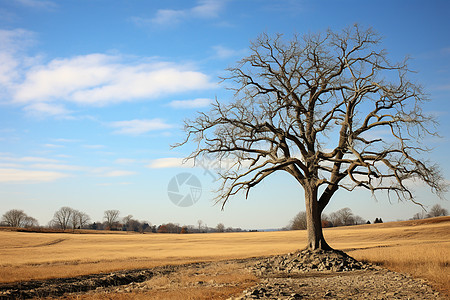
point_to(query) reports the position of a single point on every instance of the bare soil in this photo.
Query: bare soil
(299, 275)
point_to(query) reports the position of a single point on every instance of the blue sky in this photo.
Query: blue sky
(93, 93)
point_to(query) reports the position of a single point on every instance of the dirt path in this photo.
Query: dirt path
(301, 275)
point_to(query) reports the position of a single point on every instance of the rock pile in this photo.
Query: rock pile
(307, 261)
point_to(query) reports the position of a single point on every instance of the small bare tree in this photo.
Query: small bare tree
(328, 109)
(220, 227)
(111, 218)
(63, 218)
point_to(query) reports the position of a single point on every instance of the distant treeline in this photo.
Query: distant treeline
(345, 217)
(67, 218)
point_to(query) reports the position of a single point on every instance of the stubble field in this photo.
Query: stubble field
(420, 248)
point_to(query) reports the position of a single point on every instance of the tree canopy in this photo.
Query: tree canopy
(331, 110)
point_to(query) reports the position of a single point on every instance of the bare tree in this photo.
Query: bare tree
(63, 218)
(220, 227)
(126, 221)
(199, 222)
(330, 110)
(418, 216)
(111, 218)
(17, 218)
(299, 221)
(437, 211)
(342, 217)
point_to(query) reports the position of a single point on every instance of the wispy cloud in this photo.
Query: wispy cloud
(53, 146)
(137, 127)
(223, 52)
(38, 4)
(117, 173)
(205, 9)
(29, 176)
(170, 162)
(194, 103)
(94, 146)
(125, 161)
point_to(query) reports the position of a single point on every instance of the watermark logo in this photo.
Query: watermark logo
(184, 189)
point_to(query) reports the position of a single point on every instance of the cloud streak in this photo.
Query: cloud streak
(187, 104)
(138, 127)
(205, 9)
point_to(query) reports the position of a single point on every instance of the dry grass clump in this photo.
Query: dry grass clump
(430, 261)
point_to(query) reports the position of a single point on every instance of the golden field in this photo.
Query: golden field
(420, 248)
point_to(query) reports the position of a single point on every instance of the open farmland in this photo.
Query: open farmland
(421, 248)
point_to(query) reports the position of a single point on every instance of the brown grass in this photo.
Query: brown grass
(420, 248)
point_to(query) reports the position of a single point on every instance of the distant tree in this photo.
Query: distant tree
(126, 222)
(358, 220)
(342, 217)
(378, 220)
(313, 107)
(437, 211)
(220, 227)
(419, 216)
(299, 221)
(368, 222)
(162, 229)
(62, 218)
(199, 222)
(111, 218)
(17, 218)
(184, 230)
(78, 219)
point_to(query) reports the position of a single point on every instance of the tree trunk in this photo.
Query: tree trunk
(316, 240)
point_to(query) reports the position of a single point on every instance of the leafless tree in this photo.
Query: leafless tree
(299, 221)
(437, 211)
(126, 221)
(220, 227)
(419, 216)
(111, 218)
(62, 218)
(342, 217)
(199, 222)
(330, 110)
(17, 218)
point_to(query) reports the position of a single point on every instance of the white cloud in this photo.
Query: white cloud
(29, 159)
(42, 110)
(29, 176)
(208, 8)
(60, 167)
(195, 103)
(169, 16)
(223, 52)
(99, 80)
(137, 127)
(118, 173)
(125, 161)
(46, 89)
(170, 162)
(205, 9)
(53, 146)
(13, 43)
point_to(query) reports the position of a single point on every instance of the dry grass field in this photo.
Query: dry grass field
(420, 248)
